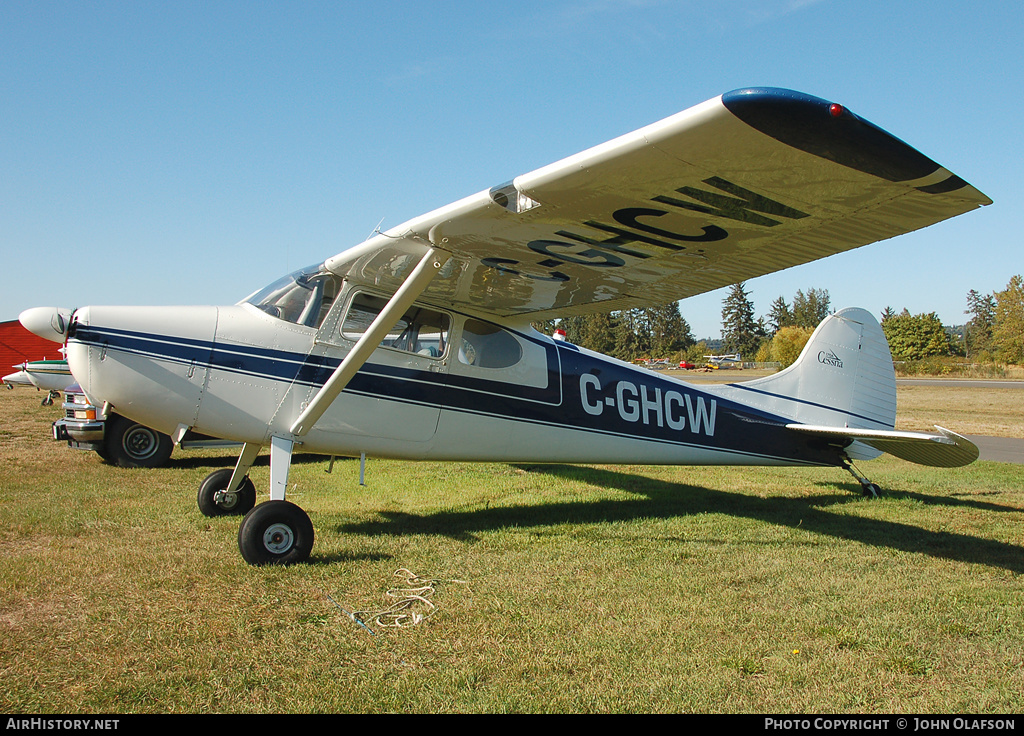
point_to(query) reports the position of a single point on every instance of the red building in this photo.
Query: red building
(18, 345)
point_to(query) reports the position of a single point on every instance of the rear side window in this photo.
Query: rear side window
(488, 346)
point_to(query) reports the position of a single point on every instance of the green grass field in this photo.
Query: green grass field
(556, 588)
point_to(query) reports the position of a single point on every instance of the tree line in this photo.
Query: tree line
(993, 332)
(630, 334)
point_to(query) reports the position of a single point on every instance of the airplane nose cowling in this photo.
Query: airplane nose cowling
(149, 363)
(50, 323)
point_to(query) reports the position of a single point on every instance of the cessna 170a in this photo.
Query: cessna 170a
(417, 343)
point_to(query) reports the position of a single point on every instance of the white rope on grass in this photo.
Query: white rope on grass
(412, 608)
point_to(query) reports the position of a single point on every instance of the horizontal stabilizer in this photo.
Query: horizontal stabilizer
(944, 450)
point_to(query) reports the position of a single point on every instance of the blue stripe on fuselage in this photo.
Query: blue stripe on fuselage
(606, 395)
(633, 403)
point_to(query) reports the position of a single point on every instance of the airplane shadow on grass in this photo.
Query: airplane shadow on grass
(666, 500)
(228, 461)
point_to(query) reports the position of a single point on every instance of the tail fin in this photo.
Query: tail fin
(843, 388)
(843, 378)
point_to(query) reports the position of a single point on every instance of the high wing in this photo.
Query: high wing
(748, 183)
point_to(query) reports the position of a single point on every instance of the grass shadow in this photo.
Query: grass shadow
(955, 501)
(228, 461)
(666, 500)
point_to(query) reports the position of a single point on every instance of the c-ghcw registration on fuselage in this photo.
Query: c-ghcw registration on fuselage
(417, 343)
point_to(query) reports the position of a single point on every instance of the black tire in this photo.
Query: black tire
(238, 503)
(275, 533)
(129, 444)
(871, 490)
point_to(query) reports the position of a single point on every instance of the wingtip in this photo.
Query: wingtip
(968, 448)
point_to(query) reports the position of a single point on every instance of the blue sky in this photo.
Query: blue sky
(192, 152)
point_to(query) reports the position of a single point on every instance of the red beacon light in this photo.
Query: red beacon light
(835, 110)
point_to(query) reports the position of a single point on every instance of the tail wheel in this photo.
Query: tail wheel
(275, 533)
(871, 490)
(214, 500)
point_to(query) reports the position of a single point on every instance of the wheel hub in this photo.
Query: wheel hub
(225, 500)
(140, 443)
(278, 538)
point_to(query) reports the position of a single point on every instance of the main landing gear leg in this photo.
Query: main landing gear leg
(869, 489)
(228, 491)
(276, 532)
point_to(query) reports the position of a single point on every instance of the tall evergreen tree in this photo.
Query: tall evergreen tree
(632, 337)
(811, 308)
(599, 333)
(779, 315)
(978, 331)
(670, 333)
(741, 332)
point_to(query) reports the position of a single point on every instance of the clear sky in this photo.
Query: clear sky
(192, 152)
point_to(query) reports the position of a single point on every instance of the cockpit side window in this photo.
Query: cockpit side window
(303, 297)
(420, 330)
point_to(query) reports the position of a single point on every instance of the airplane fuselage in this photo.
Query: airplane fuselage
(242, 374)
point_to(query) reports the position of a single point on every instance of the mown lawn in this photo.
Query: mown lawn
(556, 588)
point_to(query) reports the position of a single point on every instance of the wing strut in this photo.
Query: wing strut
(407, 293)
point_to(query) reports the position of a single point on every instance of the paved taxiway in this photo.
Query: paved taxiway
(1000, 449)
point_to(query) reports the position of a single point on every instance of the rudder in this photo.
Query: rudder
(844, 377)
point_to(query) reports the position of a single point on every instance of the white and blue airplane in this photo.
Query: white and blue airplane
(418, 342)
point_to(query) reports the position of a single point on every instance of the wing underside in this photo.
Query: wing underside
(748, 183)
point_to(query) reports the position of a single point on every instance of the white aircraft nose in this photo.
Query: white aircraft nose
(20, 378)
(47, 322)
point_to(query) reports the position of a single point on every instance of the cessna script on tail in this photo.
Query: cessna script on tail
(417, 343)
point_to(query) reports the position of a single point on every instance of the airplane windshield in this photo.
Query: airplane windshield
(303, 297)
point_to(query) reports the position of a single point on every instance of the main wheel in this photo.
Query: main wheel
(214, 500)
(133, 445)
(275, 533)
